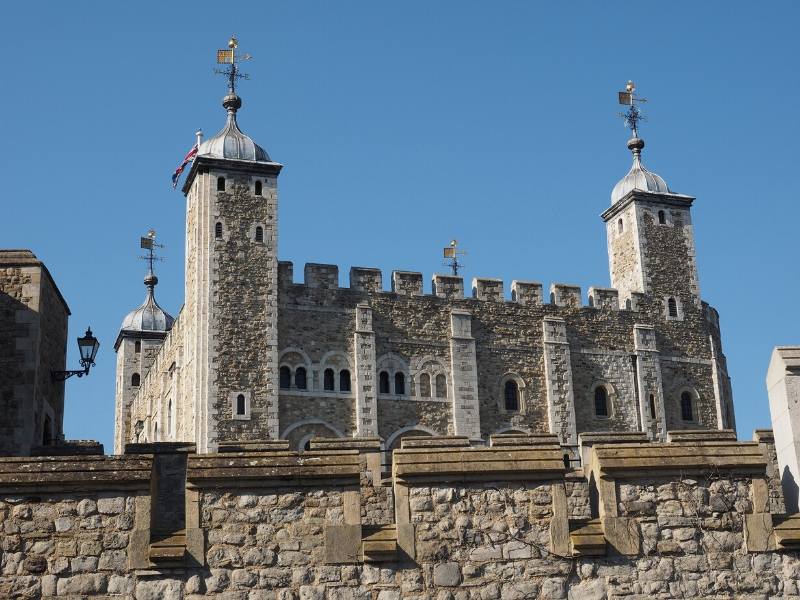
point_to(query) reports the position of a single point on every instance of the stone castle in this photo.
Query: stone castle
(303, 441)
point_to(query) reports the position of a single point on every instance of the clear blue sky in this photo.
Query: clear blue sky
(403, 125)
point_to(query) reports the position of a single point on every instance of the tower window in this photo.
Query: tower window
(218, 230)
(327, 380)
(220, 184)
(399, 384)
(383, 383)
(240, 404)
(155, 432)
(47, 432)
(441, 386)
(672, 307)
(425, 385)
(687, 414)
(135, 380)
(137, 347)
(344, 380)
(600, 401)
(300, 378)
(169, 416)
(652, 406)
(258, 188)
(620, 226)
(662, 218)
(285, 378)
(511, 396)
(259, 234)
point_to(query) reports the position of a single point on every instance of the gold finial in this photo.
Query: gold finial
(630, 87)
(233, 42)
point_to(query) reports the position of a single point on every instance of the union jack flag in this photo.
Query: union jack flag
(186, 160)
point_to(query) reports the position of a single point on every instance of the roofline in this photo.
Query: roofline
(142, 335)
(670, 199)
(30, 261)
(228, 164)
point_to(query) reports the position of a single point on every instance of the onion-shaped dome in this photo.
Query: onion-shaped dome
(149, 316)
(231, 143)
(638, 178)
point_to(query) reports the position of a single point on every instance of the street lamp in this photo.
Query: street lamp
(88, 346)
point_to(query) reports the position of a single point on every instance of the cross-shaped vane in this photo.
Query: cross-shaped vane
(633, 115)
(232, 59)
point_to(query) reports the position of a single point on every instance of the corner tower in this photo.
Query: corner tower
(231, 303)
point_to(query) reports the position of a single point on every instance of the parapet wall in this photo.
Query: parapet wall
(682, 519)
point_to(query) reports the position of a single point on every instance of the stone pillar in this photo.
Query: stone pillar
(558, 380)
(464, 369)
(648, 383)
(783, 387)
(366, 398)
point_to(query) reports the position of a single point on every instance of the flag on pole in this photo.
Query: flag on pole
(186, 160)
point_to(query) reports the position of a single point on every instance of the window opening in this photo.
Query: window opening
(135, 380)
(286, 378)
(240, 404)
(600, 401)
(258, 188)
(620, 226)
(300, 378)
(218, 230)
(327, 380)
(220, 184)
(137, 347)
(662, 218)
(383, 382)
(399, 384)
(169, 416)
(441, 386)
(425, 385)
(344, 380)
(687, 414)
(511, 396)
(47, 432)
(652, 406)
(259, 234)
(672, 307)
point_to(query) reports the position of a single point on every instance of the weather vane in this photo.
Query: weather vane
(149, 243)
(451, 253)
(633, 115)
(230, 58)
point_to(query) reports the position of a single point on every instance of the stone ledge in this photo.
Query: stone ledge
(434, 441)
(701, 435)
(522, 439)
(261, 446)
(58, 473)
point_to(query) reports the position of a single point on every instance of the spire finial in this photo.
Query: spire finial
(451, 254)
(148, 242)
(632, 117)
(229, 57)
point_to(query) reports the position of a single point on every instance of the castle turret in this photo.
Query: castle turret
(231, 343)
(140, 337)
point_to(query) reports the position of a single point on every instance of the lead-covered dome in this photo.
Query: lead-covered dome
(149, 316)
(638, 178)
(231, 143)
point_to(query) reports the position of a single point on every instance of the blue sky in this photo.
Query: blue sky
(403, 125)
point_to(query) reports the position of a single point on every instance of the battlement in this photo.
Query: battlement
(451, 287)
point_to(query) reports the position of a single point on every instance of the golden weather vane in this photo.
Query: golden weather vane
(232, 59)
(633, 115)
(451, 253)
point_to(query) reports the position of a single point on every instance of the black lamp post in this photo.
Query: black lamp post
(88, 346)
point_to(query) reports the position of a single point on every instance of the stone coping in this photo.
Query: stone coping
(522, 439)
(697, 435)
(434, 441)
(69, 448)
(590, 438)
(259, 446)
(764, 436)
(161, 448)
(274, 469)
(364, 444)
(635, 460)
(59, 473)
(534, 462)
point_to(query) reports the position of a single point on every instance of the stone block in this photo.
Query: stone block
(322, 276)
(604, 298)
(285, 273)
(448, 286)
(447, 574)
(622, 533)
(489, 290)
(342, 544)
(527, 292)
(407, 283)
(365, 279)
(562, 294)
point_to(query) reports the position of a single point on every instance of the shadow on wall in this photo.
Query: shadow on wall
(790, 490)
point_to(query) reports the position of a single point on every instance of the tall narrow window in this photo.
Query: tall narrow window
(399, 384)
(258, 188)
(259, 234)
(135, 380)
(687, 414)
(137, 347)
(286, 378)
(652, 406)
(441, 386)
(344, 380)
(662, 218)
(218, 231)
(383, 382)
(47, 432)
(155, 432)
(600, 401)
(300, 378)
(327, 380)
(169, 416)
(240, 404)
(620, 226)
(672, 307)
(511, 396)
(220, 184)
(425, 385)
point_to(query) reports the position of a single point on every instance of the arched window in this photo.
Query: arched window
(258, 188)
(286, 378)
(47, 432)
(135, 380)
(327, 380)
(687, 414)
(220, 184)
(240, 404)
(259, 234)
(383, 383)
(344, 380)
(620, 226)
(441, 386)
(511, 396)
(300, 378)
(652, 406)
(600, 401)
(399, 384)
(672, 307)
(137, 346)
(425, 385)
(662, 218)
(218, 230)
(628, 304)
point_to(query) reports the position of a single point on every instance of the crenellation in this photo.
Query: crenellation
(285, 273)
(489, 290)
(407, 283)
(316, 275)
(450, 287)
(604, 298)
(527, 292)
(366, 279)
(562, 294)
